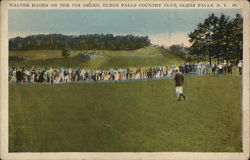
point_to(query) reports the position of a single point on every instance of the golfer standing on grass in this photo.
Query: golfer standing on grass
(179, 80)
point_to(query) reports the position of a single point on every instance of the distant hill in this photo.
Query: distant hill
(98, 59)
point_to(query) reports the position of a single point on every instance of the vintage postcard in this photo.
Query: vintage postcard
(124, 79)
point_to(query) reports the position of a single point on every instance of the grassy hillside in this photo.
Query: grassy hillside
(127, 116)
(149, 56)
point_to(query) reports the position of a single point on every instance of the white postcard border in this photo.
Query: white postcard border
(119, 155)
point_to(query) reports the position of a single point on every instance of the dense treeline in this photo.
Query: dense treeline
(179, 50)
(82, 42)
(219, 38)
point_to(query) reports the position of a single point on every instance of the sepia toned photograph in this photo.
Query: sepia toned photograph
(126, 80)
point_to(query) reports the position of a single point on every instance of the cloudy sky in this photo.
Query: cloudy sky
(164, 27)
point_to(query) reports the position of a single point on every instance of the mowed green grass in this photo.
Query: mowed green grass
(139, 116)
(148, 56)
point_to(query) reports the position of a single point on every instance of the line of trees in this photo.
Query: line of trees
(219, 38)
(82, 42)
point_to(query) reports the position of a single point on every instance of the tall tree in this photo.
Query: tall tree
(215, 38)
(65, 52)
